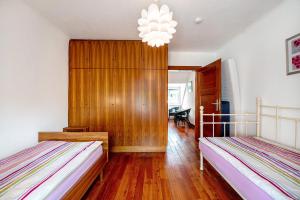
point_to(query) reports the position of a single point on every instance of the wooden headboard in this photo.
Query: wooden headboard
(75, 137)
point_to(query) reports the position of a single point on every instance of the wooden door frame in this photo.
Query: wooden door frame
(186, 68)
(197, 100)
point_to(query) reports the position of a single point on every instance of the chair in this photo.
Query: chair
(173, 110)
(182, 116)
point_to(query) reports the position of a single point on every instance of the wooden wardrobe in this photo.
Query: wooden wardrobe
(120, 87)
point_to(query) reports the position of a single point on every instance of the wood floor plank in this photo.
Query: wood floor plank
(153, 176)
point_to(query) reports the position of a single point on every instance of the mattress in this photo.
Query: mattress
(256, 169)
(47, 170)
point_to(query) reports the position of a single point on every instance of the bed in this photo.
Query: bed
(256, 167)
(61, 166)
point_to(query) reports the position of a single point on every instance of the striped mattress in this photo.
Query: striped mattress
(37, 172)
(253, 164)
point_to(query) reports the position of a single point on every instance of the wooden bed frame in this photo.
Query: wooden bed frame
(83, 184)
(242, 120)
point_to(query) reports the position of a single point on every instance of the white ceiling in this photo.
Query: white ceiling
(117, 19)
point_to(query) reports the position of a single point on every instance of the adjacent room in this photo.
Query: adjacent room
(181, 98)
(149, 99)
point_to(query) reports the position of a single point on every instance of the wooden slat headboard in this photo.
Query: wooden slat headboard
(75, 137)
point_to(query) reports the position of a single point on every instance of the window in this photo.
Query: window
(174, 96)
(190, 86)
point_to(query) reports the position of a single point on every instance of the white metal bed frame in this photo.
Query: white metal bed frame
(245, 123)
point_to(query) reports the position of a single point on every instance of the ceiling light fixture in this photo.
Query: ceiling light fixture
(156, 25)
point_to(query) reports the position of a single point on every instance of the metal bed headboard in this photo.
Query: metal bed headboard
(241, 121)
(279, 117)
(240, 116)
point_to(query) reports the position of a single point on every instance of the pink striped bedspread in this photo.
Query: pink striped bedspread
(273, 168)
(35, 172)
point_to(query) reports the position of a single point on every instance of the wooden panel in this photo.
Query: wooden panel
(119, 96)
(120, 114)
(117, 108)
(102, 112)
(79, 94)
(79, 97)
(155, 116)
(128, 54)
(155, 58)
(79, 116)
(75, 137)
(79, 54)
(133, 108)
(128, 107)
(162, 109)
(102, 54)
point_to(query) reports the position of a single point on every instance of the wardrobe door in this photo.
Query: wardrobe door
(128, 54)
(134, 121)
(79, 97)
(154, 108)
(133, 110)
(102, 112)
(128, 107)
(162, 109)
(79, 54)
(154, 58)
(102, 54)
(120, 117)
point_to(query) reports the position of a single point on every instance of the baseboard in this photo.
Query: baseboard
(138, 149)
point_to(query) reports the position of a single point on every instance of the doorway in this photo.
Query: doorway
(206, 86)
(181, 99)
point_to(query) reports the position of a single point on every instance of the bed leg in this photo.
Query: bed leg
(100, 176)
(201, 161)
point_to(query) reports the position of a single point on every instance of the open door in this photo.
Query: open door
(208, 94)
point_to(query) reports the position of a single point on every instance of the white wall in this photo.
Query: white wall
(182, 91)
(261, 59)
(33, 76)
(191, 58)
(189, 98)
(179, 76)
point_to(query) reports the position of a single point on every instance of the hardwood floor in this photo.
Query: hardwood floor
(171, 175)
